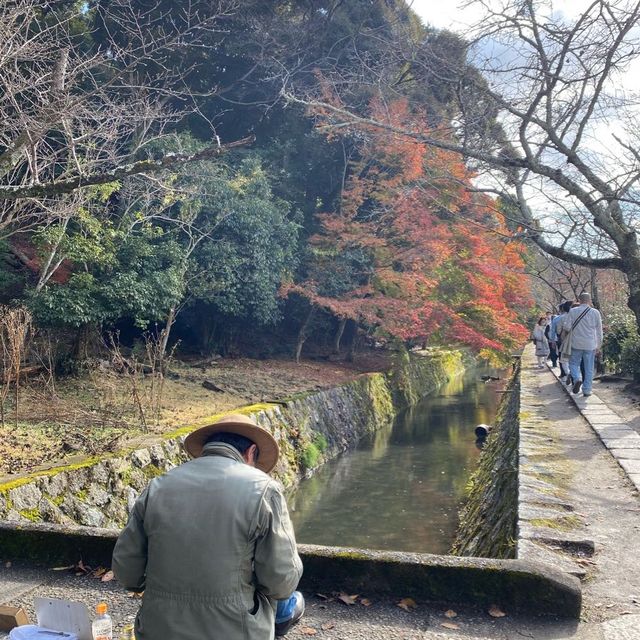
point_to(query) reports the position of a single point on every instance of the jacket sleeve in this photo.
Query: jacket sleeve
(599, 335)
(129, 562)
(277, 565)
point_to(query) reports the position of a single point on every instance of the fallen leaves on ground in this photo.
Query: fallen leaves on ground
(450, 613)
(408, 604)
(449, 625)
(135, 594)
(107, 577)
(365, 602)
(496, 612)
(347, 599)
(328, 626)
(308, 631)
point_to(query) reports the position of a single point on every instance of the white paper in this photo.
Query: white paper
(64, 615)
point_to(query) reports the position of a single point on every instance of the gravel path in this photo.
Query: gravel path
(326, 619)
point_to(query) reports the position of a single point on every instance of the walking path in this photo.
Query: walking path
(605, 508)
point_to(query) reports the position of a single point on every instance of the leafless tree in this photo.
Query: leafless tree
(78, 111)
(566, 155)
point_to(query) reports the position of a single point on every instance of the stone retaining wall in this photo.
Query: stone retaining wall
(309, 428)
(488, 520)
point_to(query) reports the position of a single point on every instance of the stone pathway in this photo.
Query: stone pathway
(622, 441)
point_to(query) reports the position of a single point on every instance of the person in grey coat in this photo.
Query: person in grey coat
(211, 544)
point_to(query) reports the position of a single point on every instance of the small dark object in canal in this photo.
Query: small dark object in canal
(482, 430)
(489, 378)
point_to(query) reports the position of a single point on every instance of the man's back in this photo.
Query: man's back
(211, 532)
(587, 333)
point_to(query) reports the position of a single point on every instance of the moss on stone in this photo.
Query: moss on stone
(310, 456)
(561, 523)
(5, 487)
(151, 471)
(33, 515)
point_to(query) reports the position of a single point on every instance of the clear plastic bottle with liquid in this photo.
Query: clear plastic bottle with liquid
(102, 627)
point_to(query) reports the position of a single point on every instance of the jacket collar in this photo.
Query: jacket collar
(222, 449)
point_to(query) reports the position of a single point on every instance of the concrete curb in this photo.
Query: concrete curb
(519, 585)
(617, 436)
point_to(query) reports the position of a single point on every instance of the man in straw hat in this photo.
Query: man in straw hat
(211, 543)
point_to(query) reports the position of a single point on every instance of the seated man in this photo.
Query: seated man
(211, 543)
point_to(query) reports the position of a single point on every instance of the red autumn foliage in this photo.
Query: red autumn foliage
(414, 252)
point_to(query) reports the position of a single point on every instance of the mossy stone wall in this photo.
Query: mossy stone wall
(310, 429)
(488, 520)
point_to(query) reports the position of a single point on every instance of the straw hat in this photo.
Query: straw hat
(242, 426)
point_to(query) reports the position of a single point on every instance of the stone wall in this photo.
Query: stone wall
(488, 521)
(309, 428)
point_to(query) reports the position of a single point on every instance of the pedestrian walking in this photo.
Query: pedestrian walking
(210, 542)
(556, 334)
(540, 339)
(584, 325)
(553, 350)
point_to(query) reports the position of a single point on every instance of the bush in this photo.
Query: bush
(630, 356)
(620, 329)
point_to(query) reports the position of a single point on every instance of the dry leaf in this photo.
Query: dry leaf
(365, 602)
(135, 594)
(407, 604)
(99, 572)
(307, 631)
(450, 614)
(328, 625)
(496, 612)
(322, 596)
(343, 597)
(449, 625)
(67, 568)
(107, 577)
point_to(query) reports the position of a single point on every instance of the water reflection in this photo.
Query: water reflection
(401, 488)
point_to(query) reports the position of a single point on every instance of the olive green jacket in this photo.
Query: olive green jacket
(212, 546)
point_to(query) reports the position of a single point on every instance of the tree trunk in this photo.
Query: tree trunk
(338, 337)
(80, 350)
(171, 317)
(302, 334)
(353, 347)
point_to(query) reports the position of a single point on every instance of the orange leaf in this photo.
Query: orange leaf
(343, 597)
(407, 604)
(308, 631)
(450, 614)
(449, 625)
(496, 612)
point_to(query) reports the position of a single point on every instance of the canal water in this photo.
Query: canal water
(401, 488)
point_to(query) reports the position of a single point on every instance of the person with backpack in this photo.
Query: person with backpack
(584, 327)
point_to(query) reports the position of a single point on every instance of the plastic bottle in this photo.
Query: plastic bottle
(128, 633)
(102, 626)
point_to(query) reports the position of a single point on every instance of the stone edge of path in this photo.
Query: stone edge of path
(622, 442)
(523, 586)
(549, 530)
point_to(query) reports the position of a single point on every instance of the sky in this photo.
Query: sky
(449, 14)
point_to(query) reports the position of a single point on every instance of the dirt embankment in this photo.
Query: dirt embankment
(102, 410)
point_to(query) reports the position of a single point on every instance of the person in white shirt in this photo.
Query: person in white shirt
(585, 324)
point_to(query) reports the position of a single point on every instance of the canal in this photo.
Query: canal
(401, 488)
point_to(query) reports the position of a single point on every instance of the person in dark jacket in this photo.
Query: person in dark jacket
(211, 542)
